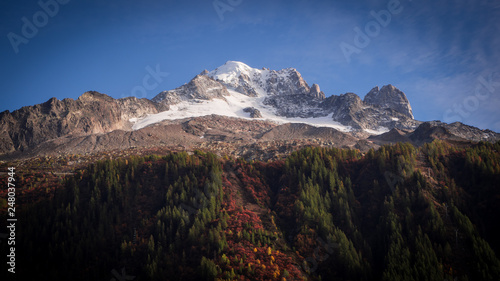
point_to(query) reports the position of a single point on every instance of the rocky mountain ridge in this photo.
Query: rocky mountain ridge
(286, 94)
(252, 106)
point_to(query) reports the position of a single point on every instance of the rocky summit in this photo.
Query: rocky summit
(235, 106)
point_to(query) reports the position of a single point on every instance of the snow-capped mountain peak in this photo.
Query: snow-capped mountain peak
(240, 77)
(238, 90)
(232, 70)
(259, 82)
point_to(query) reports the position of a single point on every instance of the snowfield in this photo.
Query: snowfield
(232, 107)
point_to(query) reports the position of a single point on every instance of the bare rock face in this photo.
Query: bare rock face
(201, 87)
(244, 86)
(290, 94)
(132, 107)
(457, 131)
(316, 93)
(254, 112)
(296, 131)
(348, 109)
(429, 131)
(393, 136)
(286, 82)
(91, 113)
(389, 97)
(469, 132)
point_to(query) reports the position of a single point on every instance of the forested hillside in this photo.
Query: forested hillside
(398, 213)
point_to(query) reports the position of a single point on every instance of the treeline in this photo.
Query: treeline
(392, 214)
(155, 217)
(396, 213)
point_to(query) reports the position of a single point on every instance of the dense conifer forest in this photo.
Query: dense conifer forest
(396, 213)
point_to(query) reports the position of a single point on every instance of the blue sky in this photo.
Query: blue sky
(444, 55)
